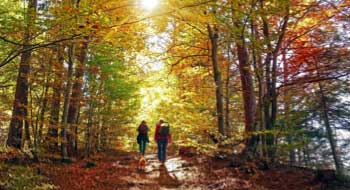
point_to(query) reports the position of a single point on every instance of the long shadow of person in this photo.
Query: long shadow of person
(165, 179)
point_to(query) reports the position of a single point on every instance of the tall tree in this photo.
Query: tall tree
(326, 121)
(76, 97)
(214, 36)
(20, 104)
(247, 82)
(57, 86)
(67, 92)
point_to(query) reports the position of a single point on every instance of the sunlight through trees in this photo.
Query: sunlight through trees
(261, 81)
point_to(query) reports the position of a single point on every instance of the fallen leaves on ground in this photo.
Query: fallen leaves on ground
(119, 171)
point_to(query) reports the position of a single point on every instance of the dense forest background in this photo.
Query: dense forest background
(262, 79)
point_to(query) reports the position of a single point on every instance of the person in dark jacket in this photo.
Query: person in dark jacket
(142, 137)
(162, 137)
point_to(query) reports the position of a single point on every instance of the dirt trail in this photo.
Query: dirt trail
(175, 173)
(119, 171)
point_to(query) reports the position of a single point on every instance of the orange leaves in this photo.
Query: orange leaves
(67, 8)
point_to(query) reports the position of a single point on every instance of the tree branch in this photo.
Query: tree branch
(13, 54)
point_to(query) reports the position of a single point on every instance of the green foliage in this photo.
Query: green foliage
(203, 148)
(13, 177)
(118, 83)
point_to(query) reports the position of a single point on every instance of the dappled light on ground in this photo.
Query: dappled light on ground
(120, 171)
(253, 94)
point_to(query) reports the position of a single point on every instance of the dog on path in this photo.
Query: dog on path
(142, 164)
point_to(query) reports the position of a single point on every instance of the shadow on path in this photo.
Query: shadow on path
(119, 171)
(166, 179)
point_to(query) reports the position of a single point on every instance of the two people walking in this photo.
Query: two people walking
(162, 136)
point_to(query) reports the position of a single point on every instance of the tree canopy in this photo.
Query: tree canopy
(260, 79)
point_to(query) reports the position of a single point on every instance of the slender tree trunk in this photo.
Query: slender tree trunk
(214, 36)
(270, 98)
(104, 124)
(43, 110)
(37, 127)
(103, 137)
(267, 98)
(258, 70)
(76, 97)
(67, 93)
(307, 156)
(228, 90)
(28, 119)
(332, 141)
(274, 96)
(56, 101)
(21, 94)
(89, 127)
(300, 156)
(99, 131)
(27, 129)
(286, 99)
(76, 133)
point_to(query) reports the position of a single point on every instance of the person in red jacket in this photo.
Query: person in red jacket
(162, 136)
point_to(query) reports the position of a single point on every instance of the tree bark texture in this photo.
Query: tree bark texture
(214, 36)
(20, 104)
(67, 93)
(57, 87)
(76, 98)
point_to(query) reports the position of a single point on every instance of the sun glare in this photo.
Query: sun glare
(149, 4)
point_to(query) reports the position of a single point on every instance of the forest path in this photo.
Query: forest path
(119, 170)
(175, 173)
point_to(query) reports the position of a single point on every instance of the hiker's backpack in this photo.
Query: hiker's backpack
(143, 129)
(164, 129)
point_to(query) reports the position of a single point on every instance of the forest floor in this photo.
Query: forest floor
(119, 170)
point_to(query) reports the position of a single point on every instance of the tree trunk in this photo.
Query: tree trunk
(332, 141)
(267, 98)
(104, 125)
(259, 74)
(249, 101)
(38, 126)
(103, 136)
(56, 102)
(67, 93)
(76, 133)
(228, 90)
(42, 111)
(89, 127)
(270, 98)
(307, 156)
(248, 97)
(287, 101)
(214, 36)
(76, 98)
(27, 130)
(20, 104)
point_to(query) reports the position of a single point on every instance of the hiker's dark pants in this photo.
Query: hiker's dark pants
(162, 144)
(143, 145)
